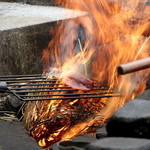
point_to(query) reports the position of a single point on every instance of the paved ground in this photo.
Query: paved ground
(85, 138)
(14, 15)
(13, 136)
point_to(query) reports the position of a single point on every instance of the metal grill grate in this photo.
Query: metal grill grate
(37, 87)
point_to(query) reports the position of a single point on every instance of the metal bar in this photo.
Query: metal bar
(16, 79)
(53, 90)
(64, 87)
(44, 84)
(33, 88)
(31, 81)
(19, 92)
(3, 85)
(42, 91)
(18, 76)
(72, 94)
(65, 98)
(58, 90)
(38, 84)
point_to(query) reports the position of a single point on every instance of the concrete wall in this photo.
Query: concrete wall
(24, 33)
(20, 49)
(34, 2)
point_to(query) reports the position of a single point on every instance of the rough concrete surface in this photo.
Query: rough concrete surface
(13, 136)
(20, 49)
(82, 138)
(34, 2)
(120, 143)
(14, 15)
(24, 33)
(145, 95)
(132, 120)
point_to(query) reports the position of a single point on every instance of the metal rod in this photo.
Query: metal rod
(66, 89)
(3, 85)
(65, 98)
(38, 84)
(45, 84)
(72, 94)
(33, 88)
(16, 79)
(18, 76)
(134, 66)
(37, 91)
(46, 91)
(31, 81)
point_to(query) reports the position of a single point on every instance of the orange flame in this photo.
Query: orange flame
(112, 33)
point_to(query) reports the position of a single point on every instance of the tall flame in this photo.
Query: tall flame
(112, 32)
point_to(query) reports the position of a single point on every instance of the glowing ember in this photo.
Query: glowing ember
(93, 45)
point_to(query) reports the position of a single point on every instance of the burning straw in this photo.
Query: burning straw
(111, 34)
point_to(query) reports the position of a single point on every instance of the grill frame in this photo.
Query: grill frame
(33, 88)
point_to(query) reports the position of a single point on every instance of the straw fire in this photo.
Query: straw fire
(111, 33)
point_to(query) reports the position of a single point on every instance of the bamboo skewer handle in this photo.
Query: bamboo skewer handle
(134, 66)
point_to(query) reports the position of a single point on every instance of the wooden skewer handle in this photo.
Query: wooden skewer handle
(134, 66)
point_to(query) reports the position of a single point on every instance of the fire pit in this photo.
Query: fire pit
(71, 106)
(113, 33)
(89, 48)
